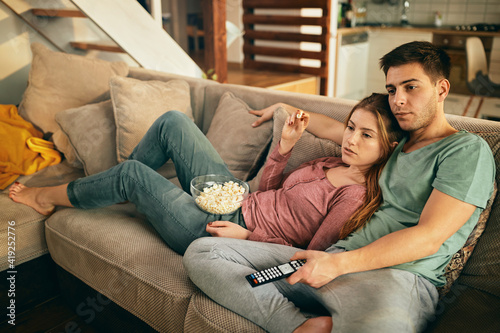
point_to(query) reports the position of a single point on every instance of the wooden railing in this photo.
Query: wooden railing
(266, 33)
(214, 26)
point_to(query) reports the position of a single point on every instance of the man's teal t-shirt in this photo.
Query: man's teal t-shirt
(460, 165)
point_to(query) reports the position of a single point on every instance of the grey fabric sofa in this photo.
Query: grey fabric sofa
(113, 257)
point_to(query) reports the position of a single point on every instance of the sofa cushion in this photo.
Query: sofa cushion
(197, 92)
(27, 230)
(240, 145)
(59, 81)
(92, 134)
(117, 253)
(137, 104)
(63, 145)
(308, 148)
(29, 225)
(481, 270)
(459, 259)
(204, 315)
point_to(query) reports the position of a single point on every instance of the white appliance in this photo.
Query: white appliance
(352, 66)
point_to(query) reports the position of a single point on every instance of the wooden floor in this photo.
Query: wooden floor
(52, 316)
(293, 82)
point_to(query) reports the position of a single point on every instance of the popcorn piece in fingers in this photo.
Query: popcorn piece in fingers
(300, 114)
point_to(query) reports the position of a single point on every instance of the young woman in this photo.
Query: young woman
(319, 202)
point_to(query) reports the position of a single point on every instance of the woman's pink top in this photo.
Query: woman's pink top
(301, 208)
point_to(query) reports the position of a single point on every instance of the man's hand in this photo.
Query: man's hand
(320, 268)
(227, 229)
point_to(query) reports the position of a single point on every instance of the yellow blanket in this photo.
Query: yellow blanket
(22, 149)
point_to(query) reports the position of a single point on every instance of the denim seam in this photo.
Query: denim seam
(174, 147)
(161, 205)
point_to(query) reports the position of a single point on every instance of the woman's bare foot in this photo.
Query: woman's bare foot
(30, 196)
(316, 325)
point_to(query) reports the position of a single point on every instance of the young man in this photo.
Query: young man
(383, 277)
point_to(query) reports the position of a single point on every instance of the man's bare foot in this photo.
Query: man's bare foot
(316, 325)
(30, 196)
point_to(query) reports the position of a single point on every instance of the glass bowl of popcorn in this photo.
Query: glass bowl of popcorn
(219, 194)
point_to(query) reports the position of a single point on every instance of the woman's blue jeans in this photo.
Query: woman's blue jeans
(171, 210)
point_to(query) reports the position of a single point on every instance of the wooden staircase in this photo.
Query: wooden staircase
(270, 47)
(82, 26)
(100, 38)
(106, 46)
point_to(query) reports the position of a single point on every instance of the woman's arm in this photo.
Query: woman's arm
(442, 216)
(232, 230)
(319, 125)
(272, 176)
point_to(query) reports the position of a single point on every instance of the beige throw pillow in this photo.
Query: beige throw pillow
(60, 81)
(92, 134)
(240, 145)
(137, 104)
(63, 145)
(308, 148)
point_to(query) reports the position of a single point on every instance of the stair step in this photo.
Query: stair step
(100, 46)
(57, 12)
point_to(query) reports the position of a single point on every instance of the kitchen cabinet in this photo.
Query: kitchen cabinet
(381, 42)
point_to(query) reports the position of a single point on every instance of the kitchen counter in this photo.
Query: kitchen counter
(417, 28)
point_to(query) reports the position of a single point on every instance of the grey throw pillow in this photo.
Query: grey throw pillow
(240, 145)
(91, 132)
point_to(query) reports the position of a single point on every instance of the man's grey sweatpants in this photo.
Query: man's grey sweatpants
(384, 300)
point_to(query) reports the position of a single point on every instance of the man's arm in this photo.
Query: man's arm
(442, 216)
(319, 125)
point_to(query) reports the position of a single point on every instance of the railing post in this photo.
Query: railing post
(214, 25)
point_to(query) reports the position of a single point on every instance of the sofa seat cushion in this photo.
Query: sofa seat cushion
(204, 315)
(116, 252)
(27, 223)
(23, 227)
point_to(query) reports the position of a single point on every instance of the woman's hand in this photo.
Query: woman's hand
(264, 114)
(293, 128)
(227, 229)
(320, 268)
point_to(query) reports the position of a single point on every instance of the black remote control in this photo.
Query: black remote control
(274, 273)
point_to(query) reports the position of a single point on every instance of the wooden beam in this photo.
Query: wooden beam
(57, 12)
(108, 47)
(214, 25)
(327, 12)
(272, 66)
(283, 52)
(284, 36)
(284, 20)
(284, 4)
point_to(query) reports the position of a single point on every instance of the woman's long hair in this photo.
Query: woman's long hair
(389, 132)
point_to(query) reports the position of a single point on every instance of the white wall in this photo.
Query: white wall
(234, 14)
(15, 55)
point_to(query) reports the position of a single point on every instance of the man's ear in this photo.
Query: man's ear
(443, 89)
(394, 144)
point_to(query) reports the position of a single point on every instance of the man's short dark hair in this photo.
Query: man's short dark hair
(434, 60)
